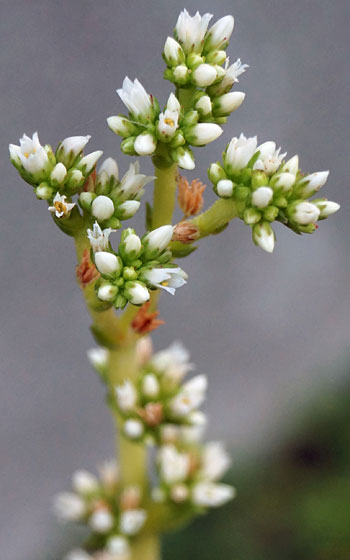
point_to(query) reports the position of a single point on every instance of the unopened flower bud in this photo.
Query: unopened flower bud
(150, 385)
(227, 103)
(283, 181)
(180, 74)
(145, 144)
(122, 126)
(204, 75)
(158, 239)
(128, 209)
(291, 166)
(132, 246)
(110, 168)
(225, 188)
(204, 105)
(101, 521)
(263, 236)
(326, 208)
(75, 179)
(312, 183)
(179, 493)
(87, 163)
(204, 133)
(184, 158)
(133, 428)
(304, 213)
(84, 482)
(219, 34)
(44, 192)
(262, 197)
(216, 57)
(70, 148)
(107, 292)
(107, 263)
(136, 292)
(58, 174)
(173, 53)
(251, 216)
(216, 173)
(102, 208)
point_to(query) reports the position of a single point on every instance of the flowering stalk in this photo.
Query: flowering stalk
(152, 404)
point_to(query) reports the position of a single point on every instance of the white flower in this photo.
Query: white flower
(150, 385)
(174, 466)
(264, 236)
(58, 174)
(107, 292)
(204, 105)
(208, 494)
(137, 293)
(168, 279)
(204, 133)
(291, 166)
(133, 181)
(231, 76)
(239, 151)
(173, 362)
(173, 52)
(168, 123)
(78, 554)
(269, 159)
(60, 207)
(84, 482)
(229, 102)
(314, 182)
(132, 245)
(131, 521)
(173, 104)
(101, 521)
(102, 208)
(204, 75)
(30, 153)
(110, 168)
(190, 30)
(70, 148)
(180, 72)
(327, 208)
(158, 239)
(219, 33)
(126, 396)
(109, 473)
(118, 547)
(122, 126)
(184, 158)
(135, 97)
(68, 507)
(215, 461)
(305, 213)
(87, 163)
(284, 181)
(145, 144)
(98, 357)
(99, 239)
(128, 209)
(107, 263)
(191, 396)
(225, 188)
(262, 197)
(133, 428)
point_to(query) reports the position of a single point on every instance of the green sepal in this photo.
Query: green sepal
(71, 224)
(180, 250)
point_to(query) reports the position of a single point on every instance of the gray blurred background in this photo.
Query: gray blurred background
(265, 328)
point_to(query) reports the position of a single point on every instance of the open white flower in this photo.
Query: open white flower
(209, 494)
(126, 396)
(215, 461)
(239, 152)
(61, 207)
(168, 123)
(69, 507)
(269, 159)
(173, 362)
(99, 239)
(30, 153)
(168, 279)
(190, 30)
(131, 521)
(190, 397)
(174, 466)
(133, 181)
(231, 76)
(136, 98)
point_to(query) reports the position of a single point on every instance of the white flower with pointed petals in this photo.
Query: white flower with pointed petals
(131, 521)
(133, 181)
(173, 362)
(173, 104)
(190, 397)
(30, 153)
(68, 507)
(135, 97)
(61, 208)
(168, 121)
(209, 494)
(263, 236)
(99, 239)
(174, 466)
(231, 76)
(239, 151)
(126, 396)
(269, 159)
(215, 461)
(190, 30)
(219, 33)
(168, 279)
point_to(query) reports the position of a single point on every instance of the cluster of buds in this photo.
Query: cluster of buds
(188, 475)
(140, 265)
(265, 188)
(54, 176)
(157, 405)
(146, 126)
(109, 200)
(113, 513)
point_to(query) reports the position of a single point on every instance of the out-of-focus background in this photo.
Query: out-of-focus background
(272, 332)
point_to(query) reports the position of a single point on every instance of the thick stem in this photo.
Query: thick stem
(216, 217)
(146, 547)
(164, 195)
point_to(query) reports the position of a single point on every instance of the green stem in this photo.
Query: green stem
(216, 217)
(164, 195)
(146, 547)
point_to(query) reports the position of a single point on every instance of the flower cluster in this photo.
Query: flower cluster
(140, 265)
(54, 176)
(265, 188)
(158, 404)
(188, 475)
(113, 513)
(108, 199)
